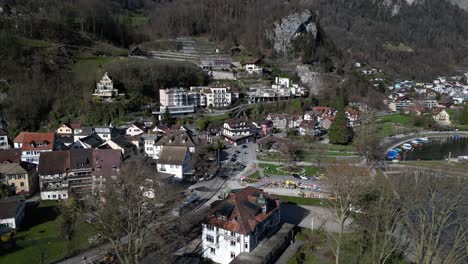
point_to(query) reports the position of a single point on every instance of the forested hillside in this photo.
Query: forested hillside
(52, 51)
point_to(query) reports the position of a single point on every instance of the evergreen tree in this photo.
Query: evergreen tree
(339, 132)
(167, 118)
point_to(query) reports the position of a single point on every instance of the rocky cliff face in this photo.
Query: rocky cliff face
(316, 82)
(289, 28)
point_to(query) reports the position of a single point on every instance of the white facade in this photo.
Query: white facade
(252, 68)
(54, 187)
(4, 142)
(133, 130)
(218, 97)
(64, 130)
(442, 118)
(222, 246)
(176, 170)
(32, 156)
(103, 132)
(54, 194)
(242, 130)
(105, 87)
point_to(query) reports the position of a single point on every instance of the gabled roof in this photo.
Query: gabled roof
(92, 140)
(9, 206)
(16, 168)
(3, 132)
(177, 138)
(123, 142)
(173, 155)
(308, 124)
(81, 159)
(107, 162)
(242, 210)
(54, 162)
(84, 131)
(10, 155)
(33, 141)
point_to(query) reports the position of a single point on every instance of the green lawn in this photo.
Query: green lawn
(301, 200)
(90, 68)
(41, 236)
(388, 129)
(255, 175)
(402, 119)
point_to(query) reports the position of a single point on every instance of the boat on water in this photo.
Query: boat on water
(392, 154)
(398, 150)
(407, 146)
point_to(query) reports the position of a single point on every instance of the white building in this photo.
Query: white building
(238, 131)
(135, 129)
(253, 66)
(281, 89)
(33, 144)
(11, 213)
(176, 161)
(239, 223)
(442, 118)
(105, 133)
(217, 97)
(4, 140)
(153, 144)
(105, 88)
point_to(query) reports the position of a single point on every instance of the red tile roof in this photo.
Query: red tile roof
(36, 141)
(242, 211)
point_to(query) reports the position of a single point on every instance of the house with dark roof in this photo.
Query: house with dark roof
(90, 142)
(121, 143)
(10, 156)
(22, 176)
(53, 169)
(11, 213)
(239, 223)
(309, 128)
(80, 178)
(4, 144)
(81, 132)
(176, 138)
(107, 164)
(253, 66)
(176, 160)
(33, 144)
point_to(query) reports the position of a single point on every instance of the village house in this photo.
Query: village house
(53, 170)
(121, 143)
(105, 133)
(284, 121)
(238, 131)
(33, 144)
(107, 164)
(442, 118)
(11, 213)
(253, 66)
(10, 155)
(264, 127)
(21, 176)
(4, 144)
(239, 223)
(82, 132)
(90, 142)
(67, 129)
(153, 145)
(135, 129)
(326, 122)
(105, 88)
(176, 160)
(216, 64)
(309, 128)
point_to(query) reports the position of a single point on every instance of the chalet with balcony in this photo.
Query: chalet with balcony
(238, 131)
(239, 223)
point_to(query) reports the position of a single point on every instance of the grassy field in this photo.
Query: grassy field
(274, 169)
(301, 200)
(90, 68)
(41, 238)
(402, 119)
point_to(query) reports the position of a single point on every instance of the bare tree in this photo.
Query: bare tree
(435, 216)
(345, 182)
(132, 209)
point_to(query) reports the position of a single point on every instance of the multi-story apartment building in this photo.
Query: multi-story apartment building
(33, 144)
(238, 131)
(80, 179)
(217, 97)
(281, 89)
(177, 100)
(239, 223)
(53, 170)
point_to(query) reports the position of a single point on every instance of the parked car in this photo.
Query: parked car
(295, 175)
(233, 159)
(238, 152)
(303, 177)
(244, 146)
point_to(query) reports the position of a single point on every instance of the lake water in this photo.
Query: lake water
(439, 149)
